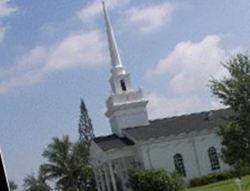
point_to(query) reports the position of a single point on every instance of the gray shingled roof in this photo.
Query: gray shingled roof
(112, 142)
(166, 127)
(180, 124)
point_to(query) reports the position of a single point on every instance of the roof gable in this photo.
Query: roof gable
(112, 142)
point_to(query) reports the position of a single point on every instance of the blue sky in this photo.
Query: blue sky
(52, 53)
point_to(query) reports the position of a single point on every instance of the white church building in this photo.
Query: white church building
(187, 144)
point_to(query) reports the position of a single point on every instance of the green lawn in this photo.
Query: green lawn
(228, 185)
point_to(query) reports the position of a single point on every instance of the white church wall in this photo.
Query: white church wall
(128, 118)
(160, 155)
(193, 148)
(132, 119)
(203, 143)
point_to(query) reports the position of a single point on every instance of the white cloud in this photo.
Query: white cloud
(36, 56)
(2, 33)
(76, 50)
(148, 18)
(33, 60)
(95, 7)
(161, 106)
(25, 79)
(215, 104)
(190, 65)
(6, 9)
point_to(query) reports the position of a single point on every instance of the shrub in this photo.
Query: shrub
(156, 180)
(219, 176)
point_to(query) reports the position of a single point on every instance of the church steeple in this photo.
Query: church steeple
(126, 107)
(113, 48)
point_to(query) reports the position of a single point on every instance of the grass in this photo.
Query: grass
(227, 185)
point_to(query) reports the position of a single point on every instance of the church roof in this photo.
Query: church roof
(165, 127)
(112, 142)
(195, 122)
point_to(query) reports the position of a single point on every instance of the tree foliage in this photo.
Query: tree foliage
(66, 165)
(32, 183)
(86, 135)
(156, 180)
(12, 185)
(85, 126)
(234, 91)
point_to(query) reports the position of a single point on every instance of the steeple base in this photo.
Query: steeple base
(127, 110)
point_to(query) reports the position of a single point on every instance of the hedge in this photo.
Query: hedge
(219, 176)
(156, 180)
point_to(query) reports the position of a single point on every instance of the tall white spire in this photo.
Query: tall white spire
(126, 106)
(113, 48)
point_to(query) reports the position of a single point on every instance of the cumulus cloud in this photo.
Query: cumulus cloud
(161, 106)
(5, 10)
(95, 7)
(24, 79)
(189, 67)
(150, 17)
(191, 64)
(216, 104)
(76, 50)
(33, 60)
(36, 56)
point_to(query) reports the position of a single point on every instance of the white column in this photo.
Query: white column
(123, 169)
(107, 177)
(97, 179)
(102, 179)
(149, 157)
(112, 177)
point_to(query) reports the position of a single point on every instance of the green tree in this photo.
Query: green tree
(86, 135)
(82, 167)
(66, 165)
(85, 127)
(234, 91)
(12, 185)
(32, 183)
(156, 180)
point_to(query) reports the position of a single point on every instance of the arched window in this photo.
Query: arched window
(179, 164)
(123, 85)
(214, 160)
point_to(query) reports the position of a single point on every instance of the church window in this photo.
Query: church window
(179, 164)
(123, 85)
(214, 160)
